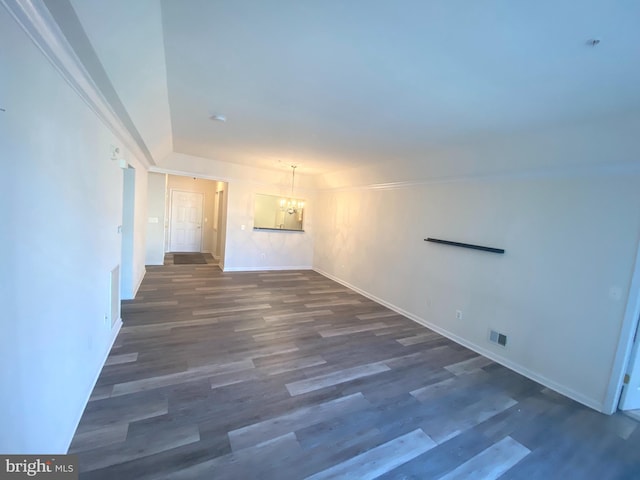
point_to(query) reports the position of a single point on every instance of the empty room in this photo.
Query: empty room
(320, 239)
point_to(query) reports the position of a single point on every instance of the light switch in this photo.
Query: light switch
(154, 219)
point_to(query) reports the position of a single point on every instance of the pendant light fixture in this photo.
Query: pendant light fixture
(291, 205)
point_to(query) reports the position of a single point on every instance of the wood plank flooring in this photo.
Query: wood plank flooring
(288, 375)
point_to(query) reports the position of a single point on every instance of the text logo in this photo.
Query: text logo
(51, 467)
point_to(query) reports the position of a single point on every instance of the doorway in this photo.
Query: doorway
(185, 221)
(126, 233)
(630, 396)
(624, 388)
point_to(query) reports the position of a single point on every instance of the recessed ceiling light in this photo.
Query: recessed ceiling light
(218, 118)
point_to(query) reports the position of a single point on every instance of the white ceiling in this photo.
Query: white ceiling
(336, 83)
(127, 38)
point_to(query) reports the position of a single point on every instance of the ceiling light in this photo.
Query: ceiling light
(218, 118)
(292, 205)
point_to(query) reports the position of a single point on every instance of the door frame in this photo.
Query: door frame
(631, 377)
(171, 191)
(126, 230)
(220, 213)
(622, 359)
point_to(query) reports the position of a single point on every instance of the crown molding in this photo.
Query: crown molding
(576, 171)
(222, 178)
(38, 23)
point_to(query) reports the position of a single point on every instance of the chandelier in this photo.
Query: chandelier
(292, 205)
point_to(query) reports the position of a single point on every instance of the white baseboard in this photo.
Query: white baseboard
(263, 269)
(114, 334)
(137, 287)
(635, 414)
(564, 390)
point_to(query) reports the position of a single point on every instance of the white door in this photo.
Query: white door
(630, 398)
(185, 231)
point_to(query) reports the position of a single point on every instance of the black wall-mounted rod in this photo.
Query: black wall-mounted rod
(465, 245)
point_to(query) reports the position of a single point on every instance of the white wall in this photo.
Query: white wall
(156, 211)
(140, 218)
(249, 249)
(60, 243)
(219, 223)
(559, 292)
(246, 249)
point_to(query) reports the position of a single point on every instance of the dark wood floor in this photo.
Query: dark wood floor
(287, 375)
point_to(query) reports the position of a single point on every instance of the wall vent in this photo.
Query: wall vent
(497, 337)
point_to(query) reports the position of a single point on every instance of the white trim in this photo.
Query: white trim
(114, 334)
(577, 396)
(265, 269)
(36, 20)
(628, 168)
(218, 178)
(635, 414)
(184, 173)
(625, 342)
(137, 287)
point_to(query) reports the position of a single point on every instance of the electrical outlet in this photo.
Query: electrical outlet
(458, 314)
(497, 337)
